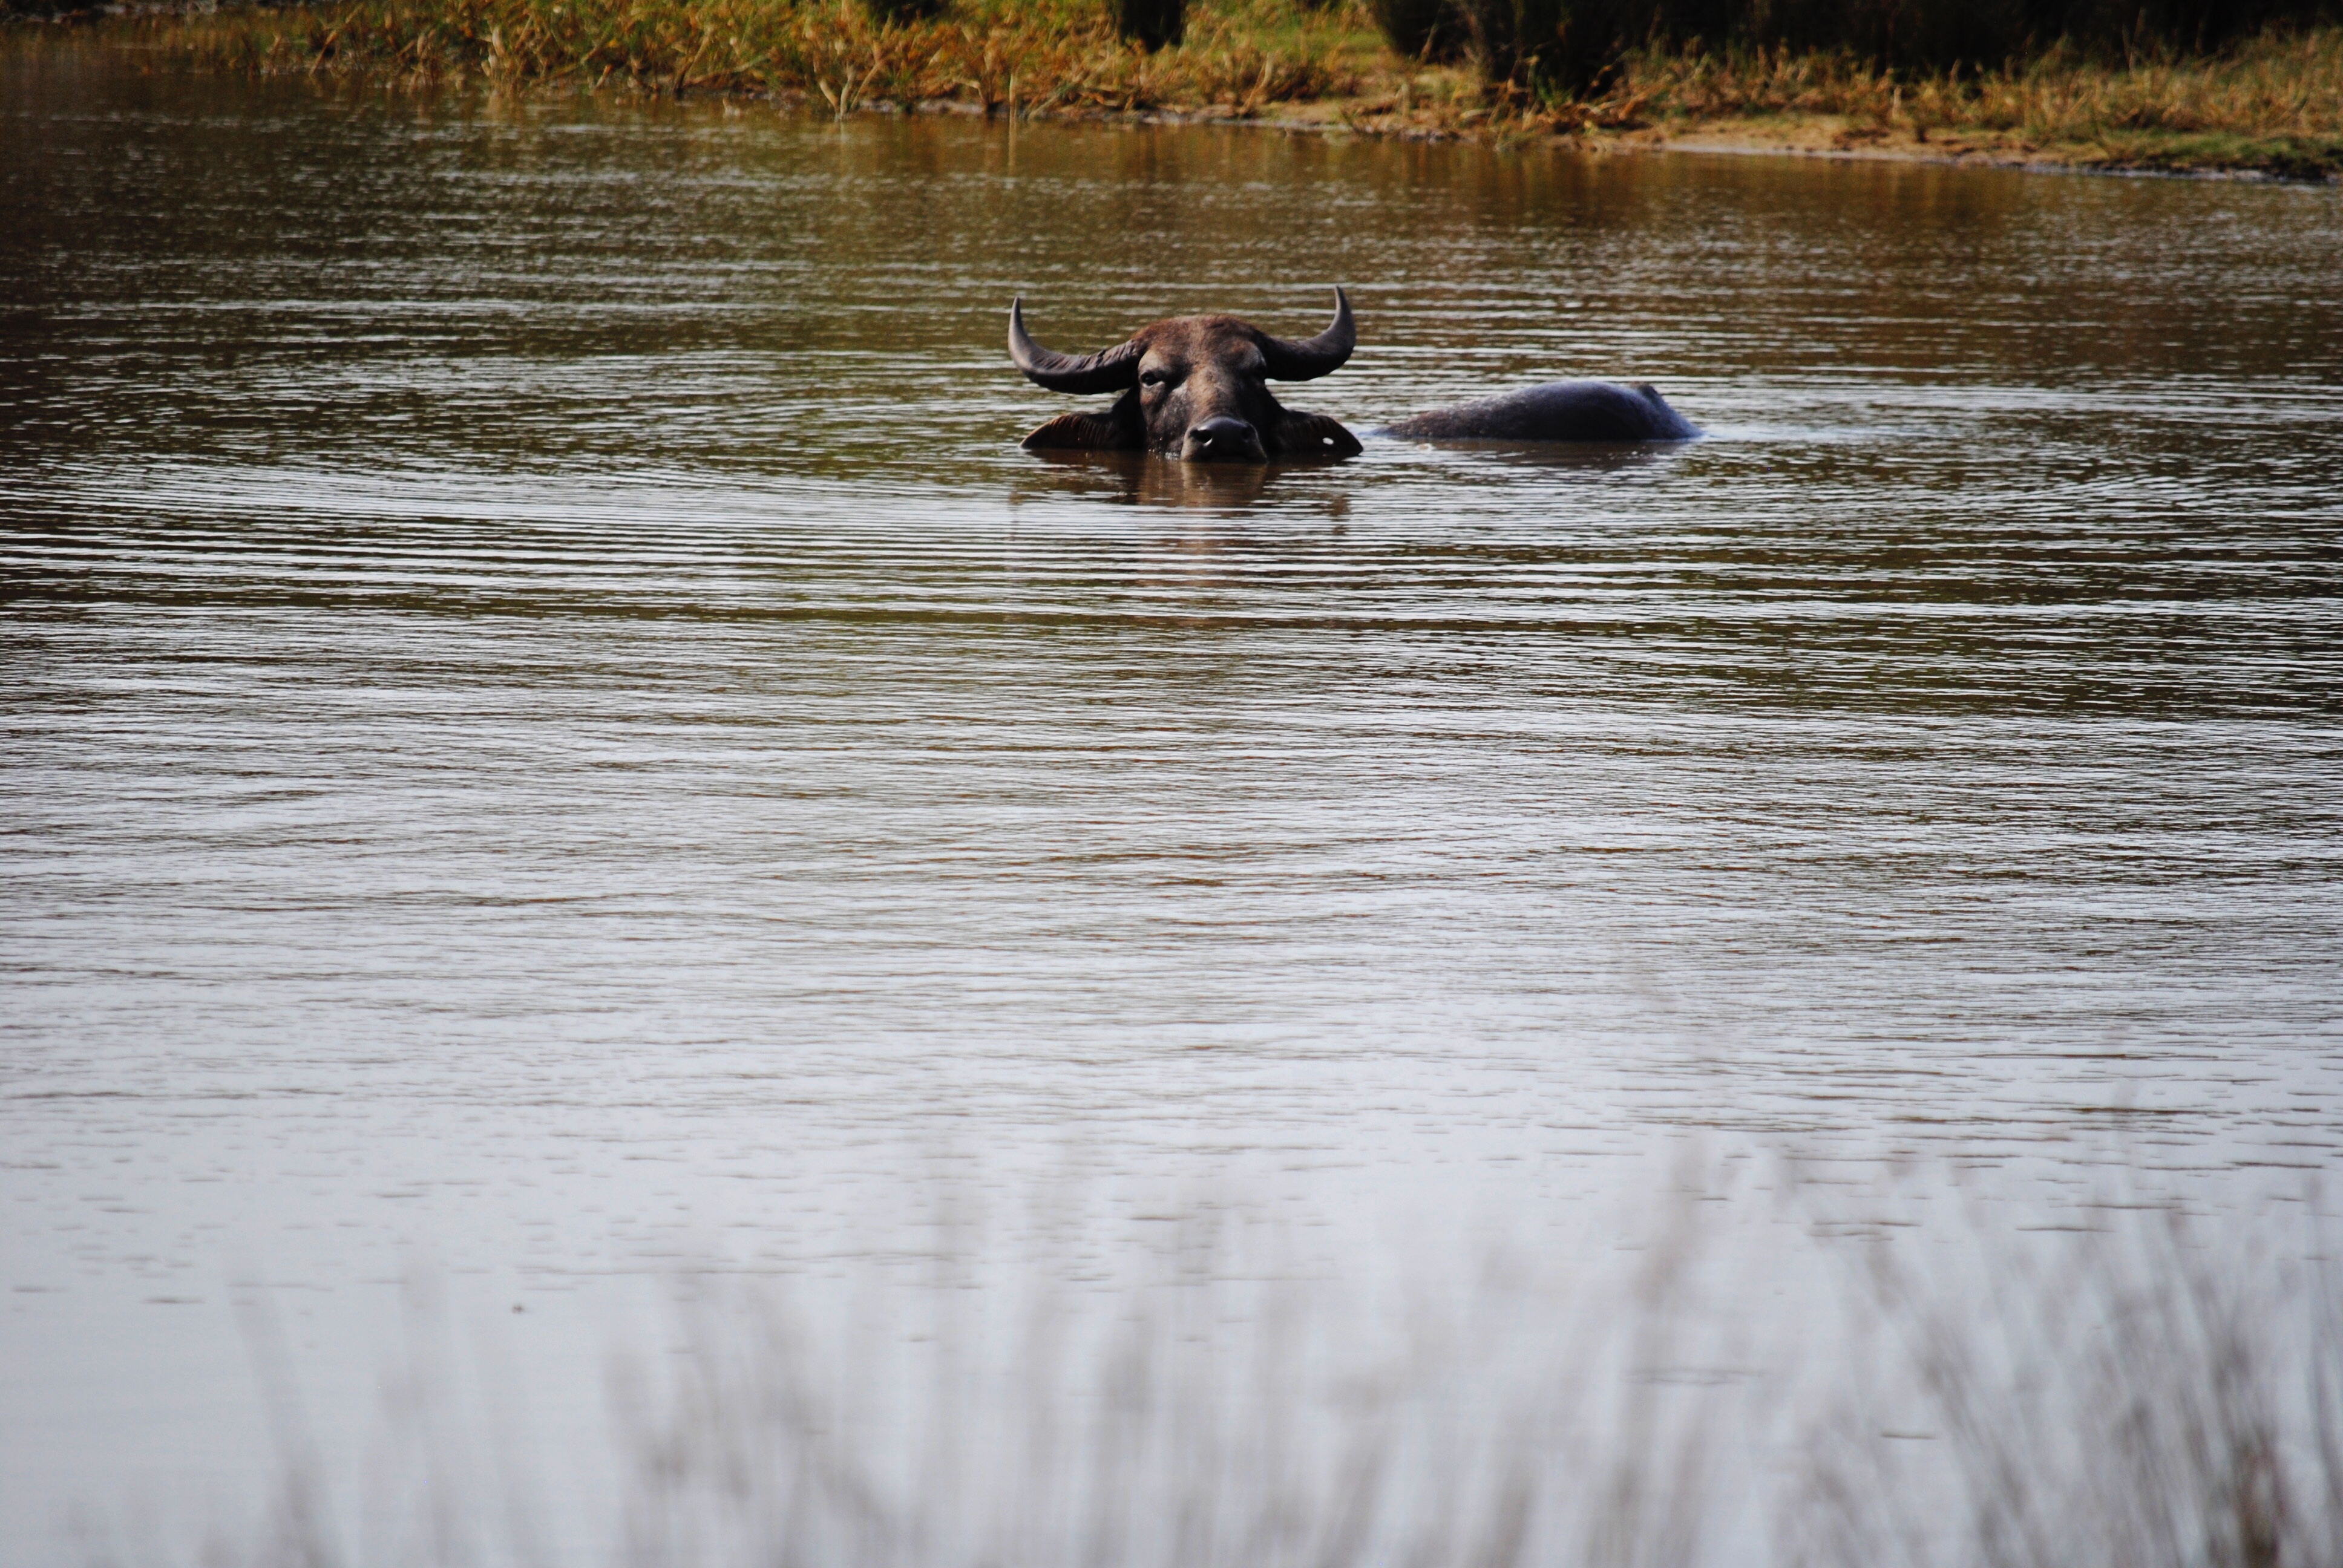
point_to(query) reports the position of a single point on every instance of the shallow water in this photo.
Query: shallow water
(552, 732)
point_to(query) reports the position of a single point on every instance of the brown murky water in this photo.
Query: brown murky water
(550, 728)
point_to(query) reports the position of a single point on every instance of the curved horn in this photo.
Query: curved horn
(1313, 356)
(1108, 370)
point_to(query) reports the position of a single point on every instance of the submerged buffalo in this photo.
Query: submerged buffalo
(1196, 387)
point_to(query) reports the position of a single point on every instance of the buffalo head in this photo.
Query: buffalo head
(1196, 387)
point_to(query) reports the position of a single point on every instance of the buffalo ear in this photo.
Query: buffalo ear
(1314, 435)
(1080, 433)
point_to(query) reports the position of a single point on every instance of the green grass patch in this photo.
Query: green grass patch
(2283, 157)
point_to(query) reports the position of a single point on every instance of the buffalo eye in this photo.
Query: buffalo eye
(1152, 379)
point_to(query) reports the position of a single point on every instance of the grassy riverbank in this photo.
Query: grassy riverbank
(2271, 103)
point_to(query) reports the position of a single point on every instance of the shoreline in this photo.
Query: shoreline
(1268, 65)
(1815, 137)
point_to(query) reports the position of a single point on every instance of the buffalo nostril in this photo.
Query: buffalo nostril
(1223, 439)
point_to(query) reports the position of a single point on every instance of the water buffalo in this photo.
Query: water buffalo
(1196, 387)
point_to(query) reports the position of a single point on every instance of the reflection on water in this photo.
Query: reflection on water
(550, 726)
(1238, 490)
(1233, 489)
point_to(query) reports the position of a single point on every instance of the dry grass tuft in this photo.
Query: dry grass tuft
(1033, 59)
(2158, 1398)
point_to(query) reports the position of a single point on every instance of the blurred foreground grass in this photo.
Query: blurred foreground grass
(2270, 102)
(1741, 1370)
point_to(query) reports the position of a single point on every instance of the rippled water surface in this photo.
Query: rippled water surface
(552, 728)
